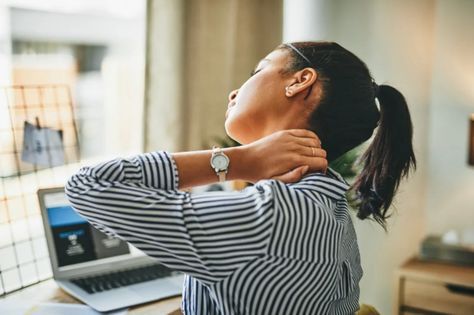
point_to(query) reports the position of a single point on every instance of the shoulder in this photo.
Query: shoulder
(328, 185)
(324, 189)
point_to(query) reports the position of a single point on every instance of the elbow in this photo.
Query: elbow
(72, 189)
(76, 185)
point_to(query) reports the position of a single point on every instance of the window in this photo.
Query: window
(62, 58)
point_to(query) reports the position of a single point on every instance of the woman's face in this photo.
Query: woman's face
(260, 107)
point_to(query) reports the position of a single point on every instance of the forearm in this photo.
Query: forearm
(194, 167)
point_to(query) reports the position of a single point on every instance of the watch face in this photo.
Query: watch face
(220, 162)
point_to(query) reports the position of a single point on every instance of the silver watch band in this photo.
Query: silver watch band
(221, 175)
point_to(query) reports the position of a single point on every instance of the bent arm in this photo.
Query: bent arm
(206, 235)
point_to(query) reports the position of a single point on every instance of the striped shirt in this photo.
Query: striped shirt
(270, 248)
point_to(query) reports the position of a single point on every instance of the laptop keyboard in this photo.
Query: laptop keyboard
(123, 278)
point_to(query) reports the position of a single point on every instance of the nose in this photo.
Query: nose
(233, 94)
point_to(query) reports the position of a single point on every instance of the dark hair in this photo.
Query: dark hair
(347, 116)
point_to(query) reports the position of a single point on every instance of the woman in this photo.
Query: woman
(285, 245)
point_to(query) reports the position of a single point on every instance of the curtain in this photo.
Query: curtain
(197, 52)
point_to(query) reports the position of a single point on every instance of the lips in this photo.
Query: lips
(231, 104)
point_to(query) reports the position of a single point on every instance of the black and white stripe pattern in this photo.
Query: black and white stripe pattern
(271, 248)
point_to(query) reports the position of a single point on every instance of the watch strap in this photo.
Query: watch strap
(221, 175)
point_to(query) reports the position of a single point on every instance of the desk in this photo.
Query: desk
(434, 288)
(48, 291)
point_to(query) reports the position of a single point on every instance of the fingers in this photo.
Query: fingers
(299, 147)
(293, 175)
(305, 133)
(316, 163)
(319, 153)
(308, 142)
(308, 147)
(312, 152)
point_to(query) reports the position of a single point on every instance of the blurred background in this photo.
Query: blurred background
(155, 75)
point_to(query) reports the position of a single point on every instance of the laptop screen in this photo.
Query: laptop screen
(75, 240)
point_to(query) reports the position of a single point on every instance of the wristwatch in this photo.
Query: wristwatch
(219, 162)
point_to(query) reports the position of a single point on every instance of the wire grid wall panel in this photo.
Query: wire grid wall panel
(24, 258)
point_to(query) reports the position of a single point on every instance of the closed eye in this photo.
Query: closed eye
(254, 72)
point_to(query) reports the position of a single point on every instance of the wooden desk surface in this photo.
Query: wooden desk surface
(48, 291)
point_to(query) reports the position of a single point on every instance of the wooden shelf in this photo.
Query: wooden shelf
(434, 288)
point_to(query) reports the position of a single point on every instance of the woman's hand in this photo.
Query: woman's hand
(285, 155)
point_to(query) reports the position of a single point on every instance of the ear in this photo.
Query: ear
(301, 81)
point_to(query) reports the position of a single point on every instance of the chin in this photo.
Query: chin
(231, 131)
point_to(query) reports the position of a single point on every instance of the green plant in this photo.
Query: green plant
(349, 167)
(346, 164)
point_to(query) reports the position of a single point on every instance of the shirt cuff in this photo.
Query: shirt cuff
(174, 171)
(159, 170)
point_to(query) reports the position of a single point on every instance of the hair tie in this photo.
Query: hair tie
(376, 89)
(299, 53)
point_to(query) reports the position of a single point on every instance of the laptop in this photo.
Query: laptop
(102, 271)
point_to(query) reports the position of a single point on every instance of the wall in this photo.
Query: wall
(450, 198)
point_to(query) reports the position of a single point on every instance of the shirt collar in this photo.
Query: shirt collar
(331, 184)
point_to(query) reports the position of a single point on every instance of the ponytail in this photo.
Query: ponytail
(387, 160)
(347, 115)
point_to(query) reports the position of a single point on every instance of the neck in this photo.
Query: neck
(294, 118)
